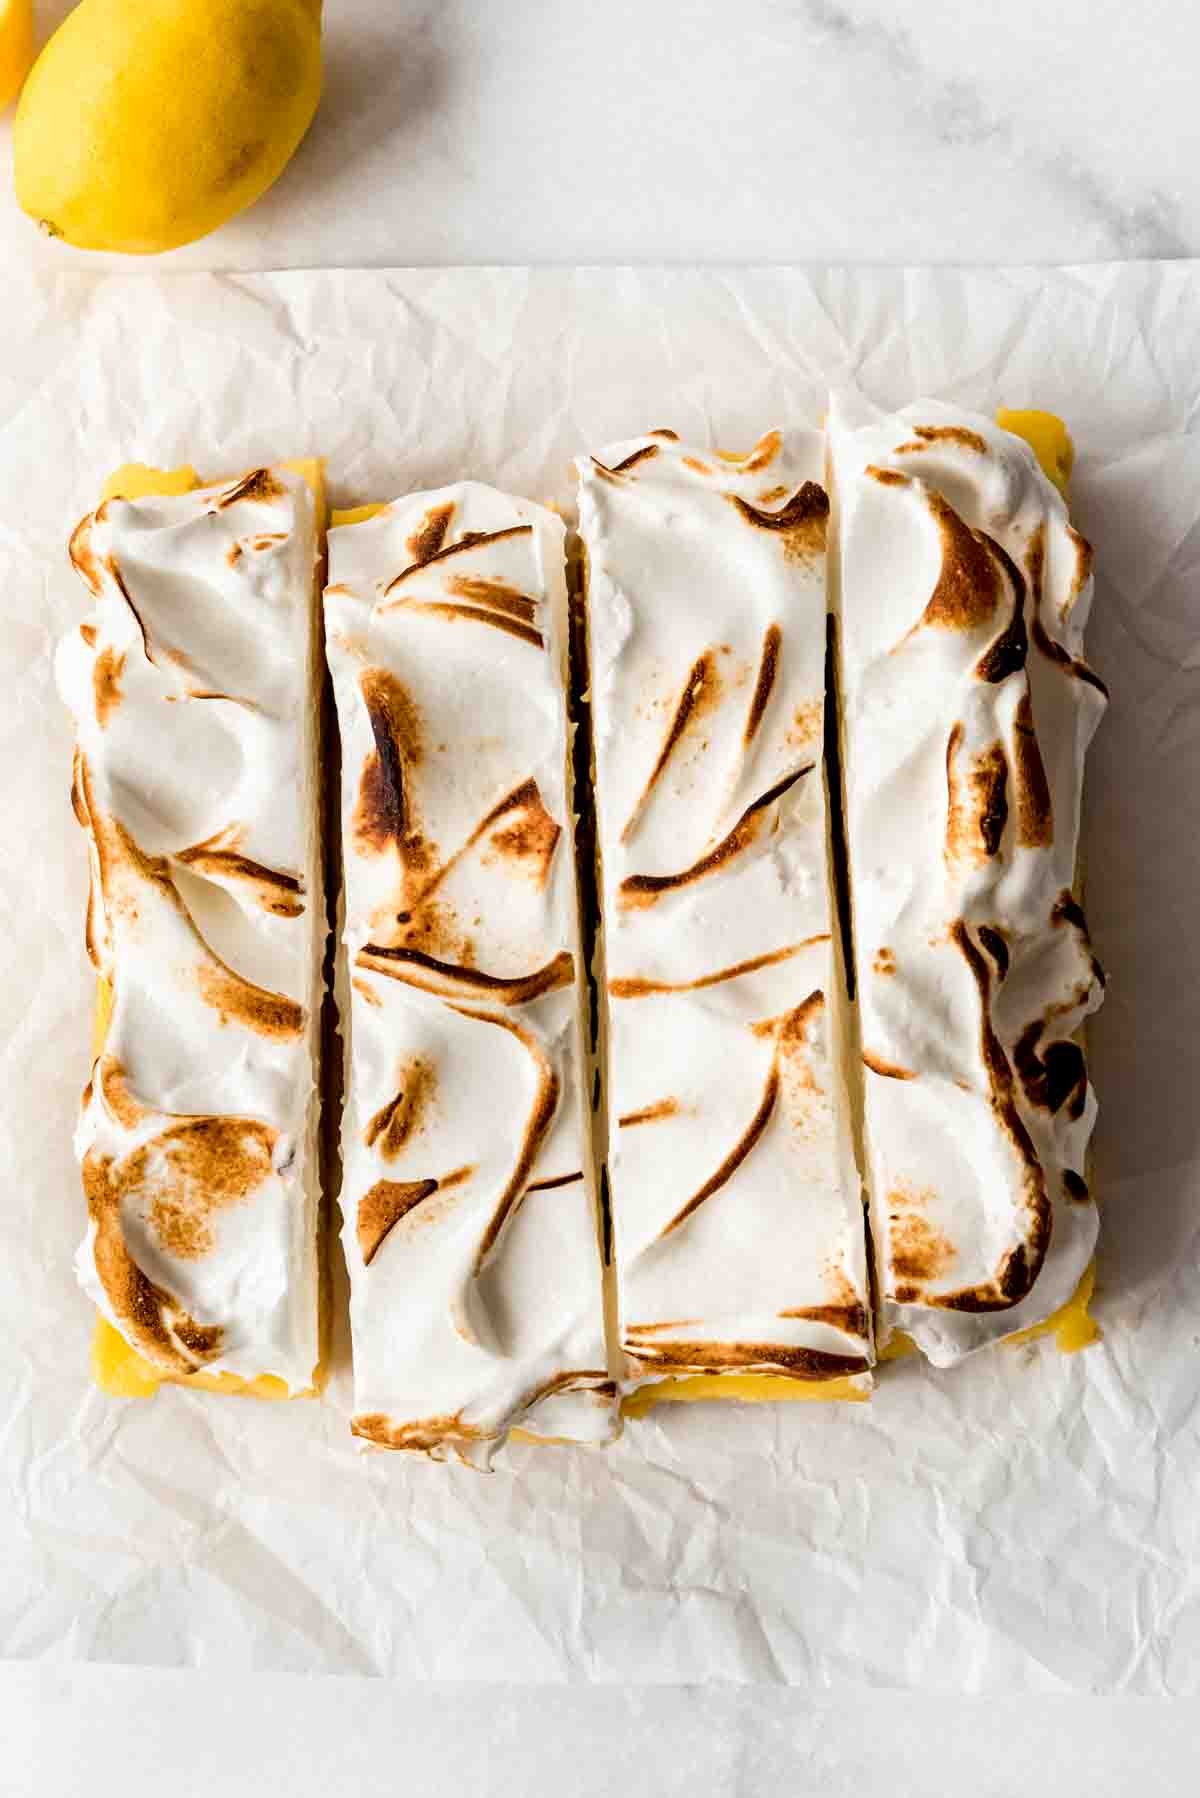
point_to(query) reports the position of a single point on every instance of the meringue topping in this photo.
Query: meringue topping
(739, 1227)
(468, 1192)
(967, 710)
(190, 685)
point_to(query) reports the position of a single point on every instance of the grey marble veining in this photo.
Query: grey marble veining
(729, 130)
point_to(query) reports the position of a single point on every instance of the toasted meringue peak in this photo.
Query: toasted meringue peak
(739, 1229)
(967, 711)
(189, 683)
(468, 1192)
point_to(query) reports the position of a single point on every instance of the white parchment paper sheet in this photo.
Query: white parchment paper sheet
(1028, 1522)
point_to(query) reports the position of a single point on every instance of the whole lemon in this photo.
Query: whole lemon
(145, 124)
(16, 46)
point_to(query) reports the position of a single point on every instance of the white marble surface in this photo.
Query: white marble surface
(194, 1735)
(728, 130)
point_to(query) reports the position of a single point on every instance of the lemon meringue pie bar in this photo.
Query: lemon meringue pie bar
(961, 594)
(469, 1210)
(740, 1242)
(194, 682)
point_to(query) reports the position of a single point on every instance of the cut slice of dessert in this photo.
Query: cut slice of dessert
(195, 682)
(961, 593)
(468, 1196)
(740, 1241)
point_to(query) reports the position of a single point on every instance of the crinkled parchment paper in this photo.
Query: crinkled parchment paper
(1027, 1522)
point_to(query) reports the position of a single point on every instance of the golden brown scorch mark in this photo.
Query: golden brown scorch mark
(717, 1357)
(383, 809)
(219, 857)
(1068, 911)
(884, 962)
(181, 1177)
(107, 670)
(640, 890)
(1019, 1269)
(83, 556)
(996, 944)
(260, 484)
(381, 1208)
(850, 1318)
(970, 584)
(211, 1163)
(551, 1185)
(500, 620)
(763, 453)
(151, 1318)
(1054, 1076)
(650, 1114)
(1009, 652)
(394, 1123)
(1035, 568)
(754, 1129)
(495, 595)
(977, 802)
(414, 968)
(240, 1001)
(428, 1435)
(1035, 816)
(920, 1252)
(701, 693)
(469, 540)
(925, 435)
(430, 535)
(768, 669)
(536, 1129)
(627, 463)
(890, 1070)
(801, 522)
(640, 987)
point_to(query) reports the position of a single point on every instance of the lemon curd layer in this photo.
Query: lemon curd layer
(117, 1368)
